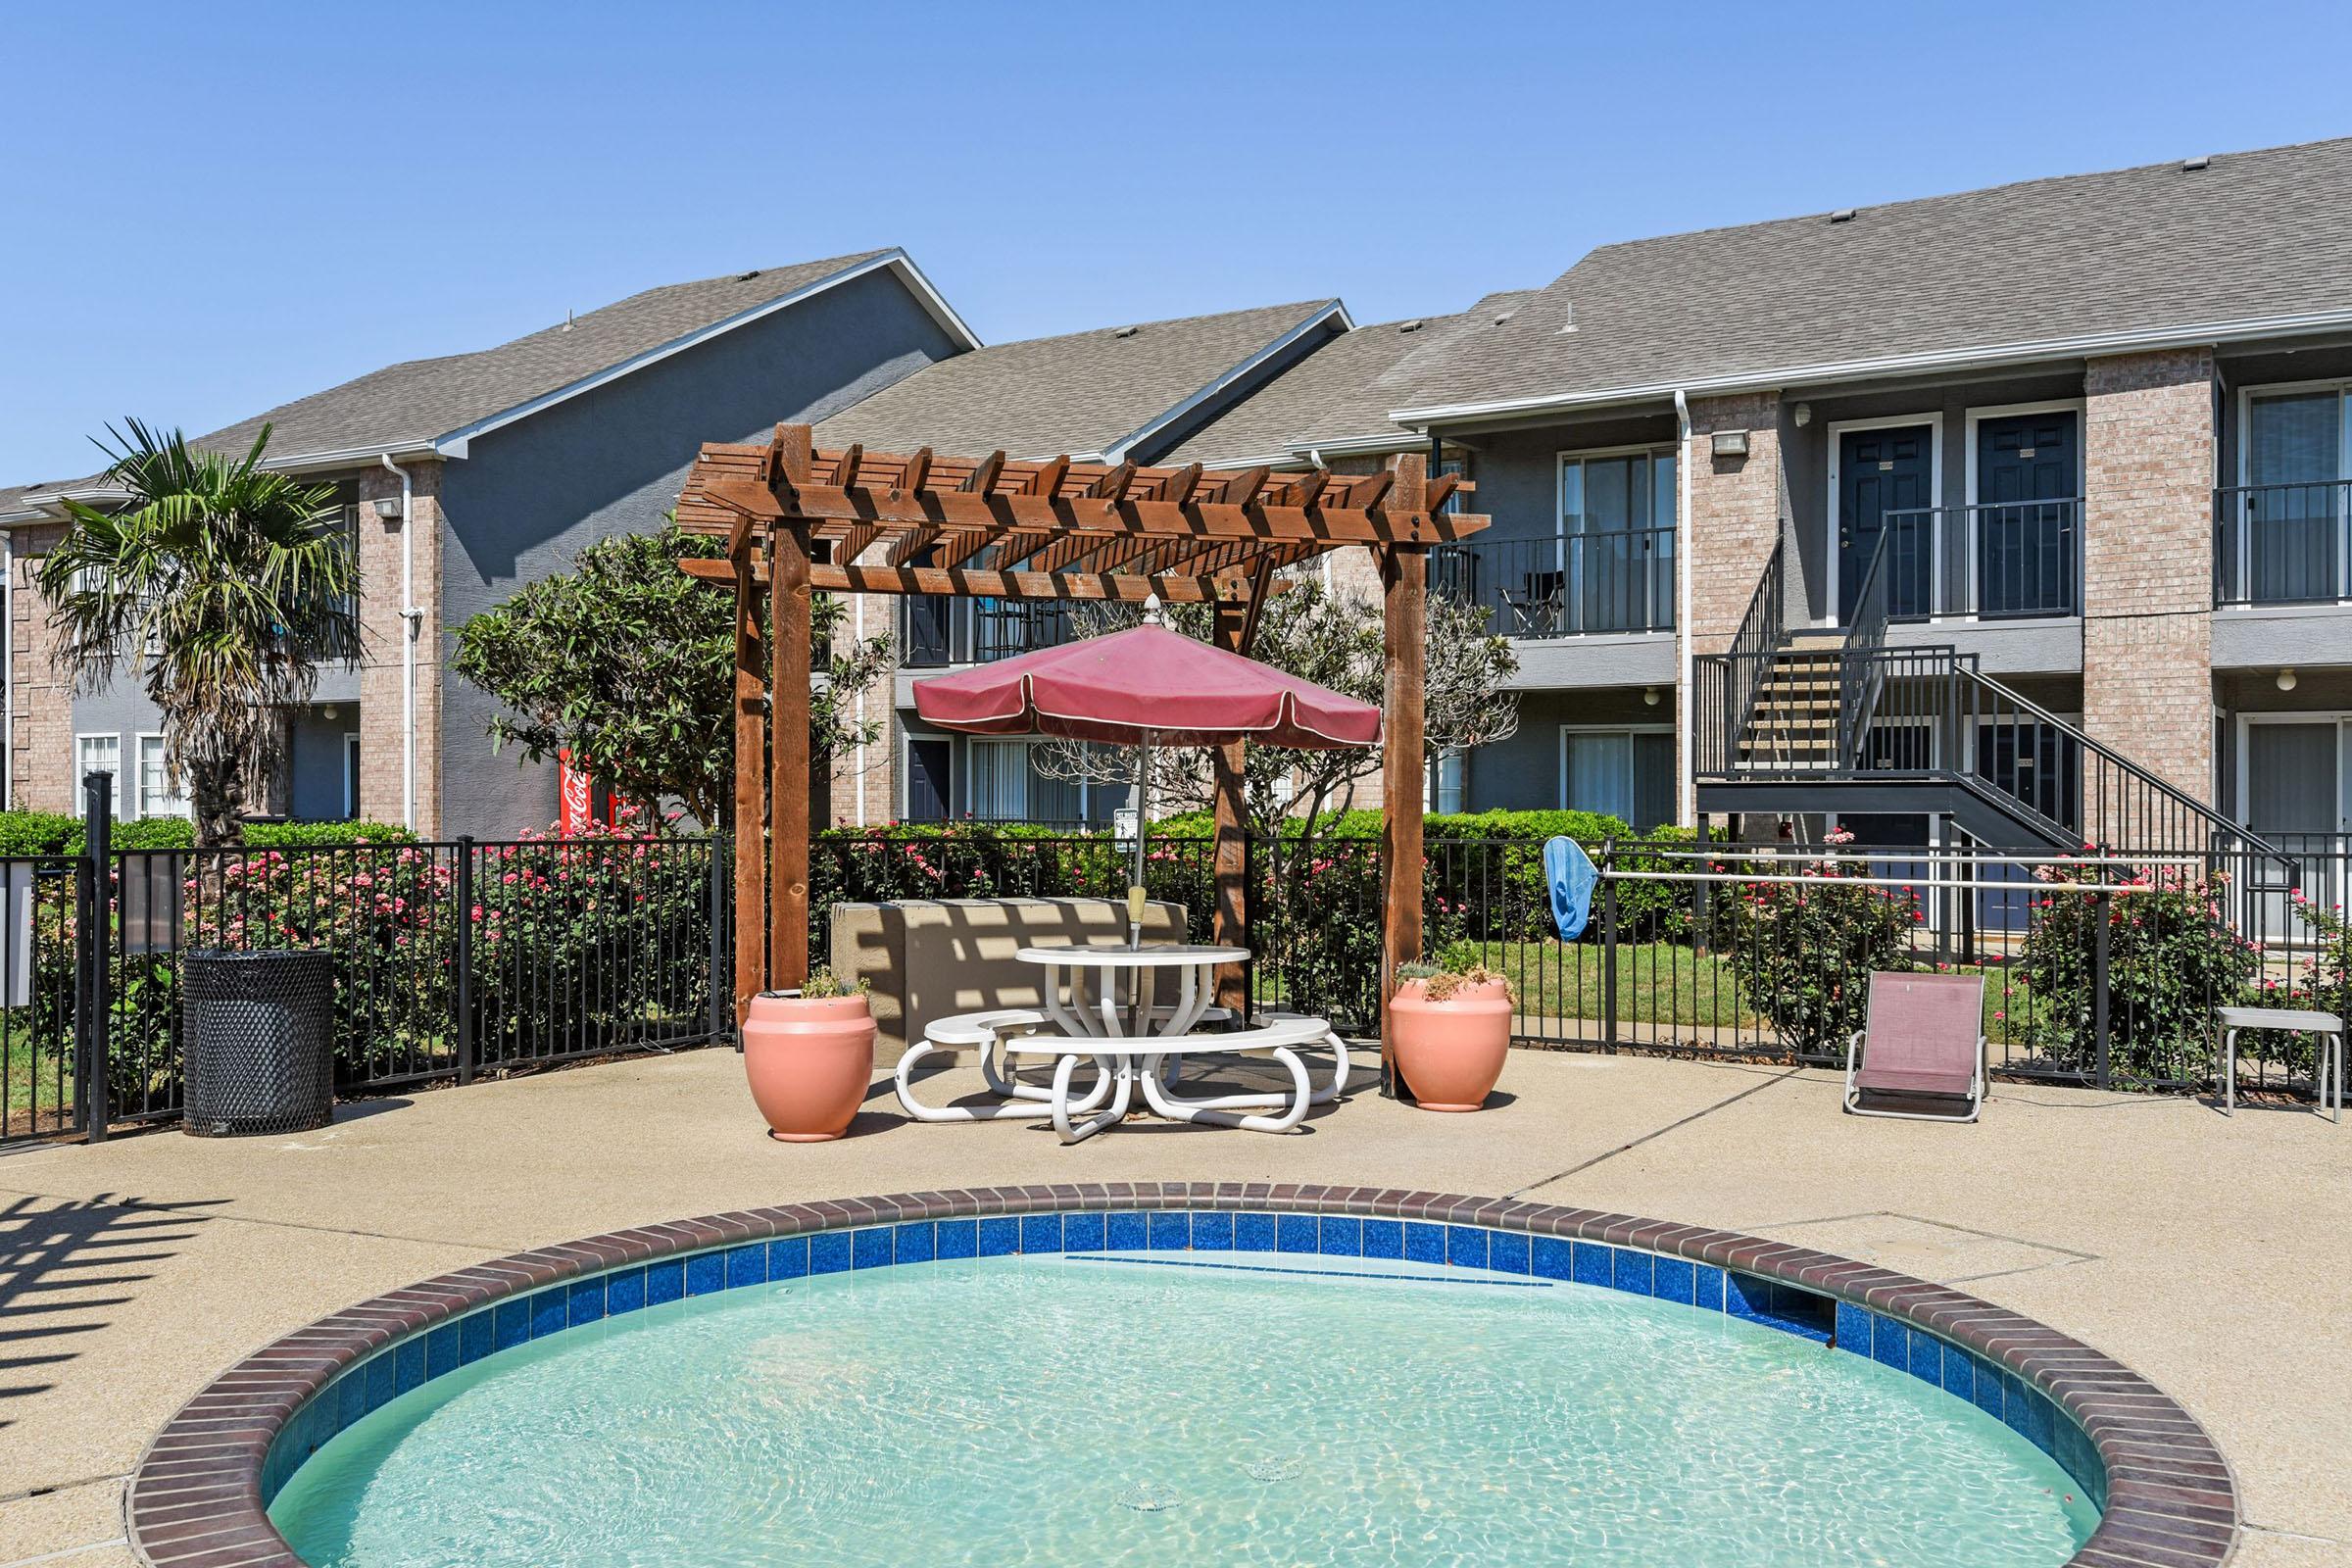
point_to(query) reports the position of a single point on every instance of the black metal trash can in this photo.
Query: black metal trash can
(257, 1032)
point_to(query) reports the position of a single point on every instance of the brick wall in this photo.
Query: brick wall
(381, 632)
(40, 761)
(1735, 512)
(2147, 640)
(866, 776)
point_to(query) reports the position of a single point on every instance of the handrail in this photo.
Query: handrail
(2001, 560)
(2283, 543)
(1616, 580)
(1866, 633)
(1761, 630)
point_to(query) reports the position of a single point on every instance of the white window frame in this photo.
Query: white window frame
(1564, 456)
(2080, 409)
(2342, 386)
(78, 767)
(138, 788)
(1629, 730)
(1834, 511)
(964, 779)
(2340, 717)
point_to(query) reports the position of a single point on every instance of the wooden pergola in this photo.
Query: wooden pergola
(798, 521)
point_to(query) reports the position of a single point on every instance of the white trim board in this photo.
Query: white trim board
(1833, 513)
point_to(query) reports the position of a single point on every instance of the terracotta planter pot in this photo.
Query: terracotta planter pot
(811, 1060)
(1451, 1051)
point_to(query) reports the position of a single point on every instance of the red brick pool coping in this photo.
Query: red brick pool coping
(195, 1498)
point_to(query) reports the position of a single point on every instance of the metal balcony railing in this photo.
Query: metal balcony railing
(1570, 585)
(1995, 561)
(935, 632)
(2283, 543)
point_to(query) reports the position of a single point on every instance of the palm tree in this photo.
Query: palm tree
(224, 587)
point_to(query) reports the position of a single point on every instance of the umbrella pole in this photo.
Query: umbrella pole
(1143, 814)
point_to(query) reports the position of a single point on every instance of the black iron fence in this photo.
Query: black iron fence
(1997, 559)
(2283, 543)
(1614, 580)
(450, 959)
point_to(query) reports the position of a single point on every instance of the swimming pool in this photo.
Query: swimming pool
(1186, 1374)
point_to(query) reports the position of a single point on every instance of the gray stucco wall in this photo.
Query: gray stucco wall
(314, 753)
(612, 461)
(1523, 773)
(1518, 475)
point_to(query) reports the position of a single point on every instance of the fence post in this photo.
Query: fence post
(1609, 944)
(2098, 980)
(722, 1003)
(1255, 943)
(95, 939)
(465, 898)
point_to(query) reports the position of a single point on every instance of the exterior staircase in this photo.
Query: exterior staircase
(1800, 722)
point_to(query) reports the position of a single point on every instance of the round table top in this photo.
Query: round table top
(1156, 955)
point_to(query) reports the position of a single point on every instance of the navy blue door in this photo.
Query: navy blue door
(930, 785)
(2027, 478)
(1881, 472)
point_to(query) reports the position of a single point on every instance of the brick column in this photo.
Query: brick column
(40, 757)
(381, 632)
(1724, 542)
(2147, 561)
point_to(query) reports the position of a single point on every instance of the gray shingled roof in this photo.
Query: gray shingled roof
(2253, 236)
(1080, 393)
(418, 400)
(1342, 391)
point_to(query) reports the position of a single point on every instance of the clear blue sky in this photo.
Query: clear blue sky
(211, 209)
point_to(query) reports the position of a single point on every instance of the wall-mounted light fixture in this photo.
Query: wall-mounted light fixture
(1804, 414)
(1731, 443)
(1650, 696)
(2287, 680)
(387, 509)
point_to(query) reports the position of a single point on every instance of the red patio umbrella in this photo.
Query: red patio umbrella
(1142, 687)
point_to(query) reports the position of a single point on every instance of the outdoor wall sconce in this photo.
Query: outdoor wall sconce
(1731, 443)
(1804, 414)
(2287, 680)
(387, 509)
(1650, 696)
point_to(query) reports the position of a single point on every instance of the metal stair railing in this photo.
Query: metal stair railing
(1749, 661)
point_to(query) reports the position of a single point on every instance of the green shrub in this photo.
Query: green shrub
(40, 833)
(1803, 952)
(58, 833)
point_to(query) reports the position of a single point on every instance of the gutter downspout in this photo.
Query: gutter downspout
(1686, 809)
(410, 618)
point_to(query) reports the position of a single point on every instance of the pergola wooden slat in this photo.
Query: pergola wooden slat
(798, 521)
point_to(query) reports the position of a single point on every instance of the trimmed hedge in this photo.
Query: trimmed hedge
(56, 833)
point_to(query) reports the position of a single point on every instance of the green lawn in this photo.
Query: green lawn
(1657, 982)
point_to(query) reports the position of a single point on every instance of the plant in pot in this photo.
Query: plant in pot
(810, 1055)
(1454, 1031)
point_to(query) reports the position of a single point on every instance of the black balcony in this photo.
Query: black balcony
(1995, 561)
(1571, 585)
(936, 631)
(2283, 543)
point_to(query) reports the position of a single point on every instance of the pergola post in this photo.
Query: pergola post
(1405, 584)
(1228, 846)
(788, 628)
(751, 792)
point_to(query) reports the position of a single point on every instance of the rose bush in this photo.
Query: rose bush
(1803, 952)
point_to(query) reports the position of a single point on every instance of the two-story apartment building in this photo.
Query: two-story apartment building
(467, 476)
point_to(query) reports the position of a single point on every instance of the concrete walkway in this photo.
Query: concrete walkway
(2208, 1253)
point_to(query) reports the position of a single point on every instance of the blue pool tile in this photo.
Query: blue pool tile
(407, 1366)
(584, 1302)
(1802, 1312)
(1674, 1281)
(1254, 1233)
(870, 1248)
(351, 1397)
(1083, 1233)
(1000, 1235)
(1171, 1233)
(473, 1336)
(1592, 1263)
(664, 1281)
(1984, 1380)
(1383, 1237)
(1127, 1232)
(747, 1264)
(2027, 1413)
(706, 1272)
(787, 1257)
(513, 1323)
(1295, 1233)
(1926, 1359)
(957, 1237)
(624, 1290)
(1424, 1244)
(1551, 1258)
(1507, 1253)
(1853, 1329)
(1342, 1236)
(1633, 1271)
(1466, 1246)
(1706, 1287)
(1746, 1296)
(551, 1310)
(441, 1351)
(1213, 1233)
(915, 1243)
(829, 1252)
(381, 1380)
(1042, 1233)
(1890, 1343)
(1958, 1377)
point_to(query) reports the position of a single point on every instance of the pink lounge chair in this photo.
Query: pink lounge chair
(1926, 1043)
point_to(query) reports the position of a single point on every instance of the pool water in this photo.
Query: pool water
(1131, 1410)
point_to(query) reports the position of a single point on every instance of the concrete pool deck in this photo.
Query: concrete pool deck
(2207, 1252)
